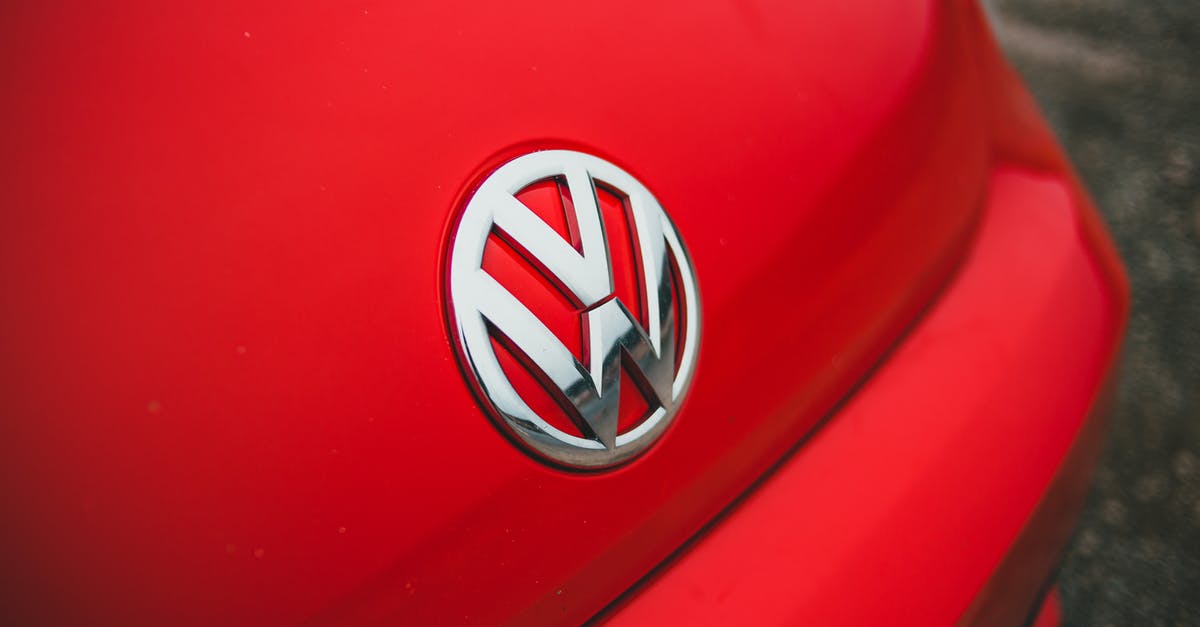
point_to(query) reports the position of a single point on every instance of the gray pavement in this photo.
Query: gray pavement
(1120, 82)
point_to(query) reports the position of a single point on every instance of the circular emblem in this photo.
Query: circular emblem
(574, 306)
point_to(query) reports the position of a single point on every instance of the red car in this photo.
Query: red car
(540, 313)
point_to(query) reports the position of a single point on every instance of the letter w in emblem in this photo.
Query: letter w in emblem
(589, 388)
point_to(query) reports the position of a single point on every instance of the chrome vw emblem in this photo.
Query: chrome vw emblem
(659, 357)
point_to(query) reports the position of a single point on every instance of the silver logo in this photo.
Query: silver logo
(660, 359)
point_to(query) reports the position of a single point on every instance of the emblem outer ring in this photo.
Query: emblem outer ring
(463, 255)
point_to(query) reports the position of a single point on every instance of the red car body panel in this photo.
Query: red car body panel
(955, 441)
(229, 390)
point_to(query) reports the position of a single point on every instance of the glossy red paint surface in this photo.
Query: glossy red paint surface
(954, 442)
(1050, 614)
(228, 392)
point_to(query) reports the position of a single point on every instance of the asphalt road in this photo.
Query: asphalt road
(1120, 83)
